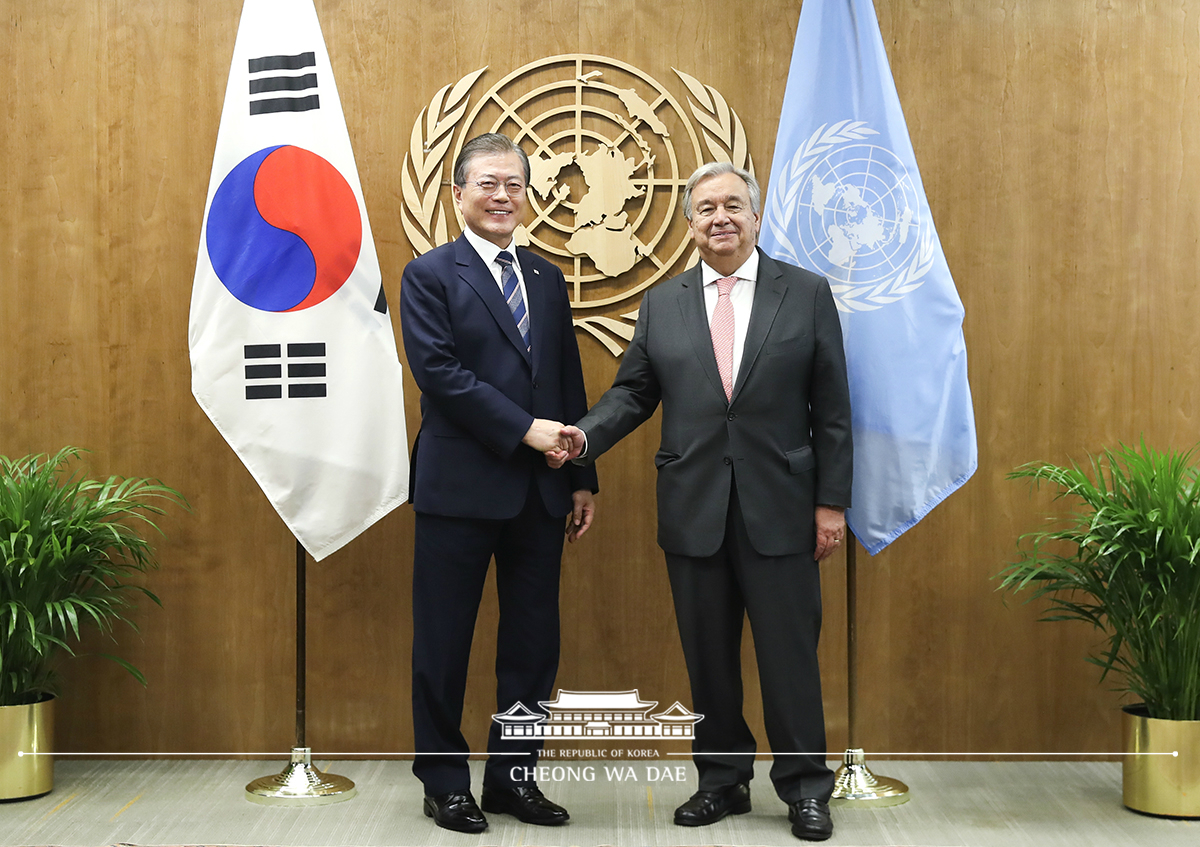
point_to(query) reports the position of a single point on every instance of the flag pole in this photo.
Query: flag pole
(301, 639)
(854, 784)
(300, 783)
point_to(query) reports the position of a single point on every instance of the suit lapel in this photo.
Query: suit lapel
(769, 291)
(695, 324)
(535, 293)
(475, 273)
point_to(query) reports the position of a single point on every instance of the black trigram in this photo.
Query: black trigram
(264, 79)
(265, 371)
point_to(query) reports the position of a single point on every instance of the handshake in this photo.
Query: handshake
(558, 442)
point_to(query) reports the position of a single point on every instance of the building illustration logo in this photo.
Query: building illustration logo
(598, 714)
(610, 149)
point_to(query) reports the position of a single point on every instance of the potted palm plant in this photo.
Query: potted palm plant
(71, 549)
(1125, 559)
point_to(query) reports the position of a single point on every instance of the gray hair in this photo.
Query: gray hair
(481, 145)
(716, 169)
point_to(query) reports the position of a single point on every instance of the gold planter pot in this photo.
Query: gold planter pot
(1160, 784)
(26, 730)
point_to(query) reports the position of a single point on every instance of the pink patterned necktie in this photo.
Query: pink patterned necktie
(722, 333)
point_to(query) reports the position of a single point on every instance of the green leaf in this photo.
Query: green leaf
(72, 556)
(1123, 557)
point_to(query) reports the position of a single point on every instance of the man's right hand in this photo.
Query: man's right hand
(545, 436)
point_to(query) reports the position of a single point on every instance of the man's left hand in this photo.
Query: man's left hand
(581, 516)
(831, 531)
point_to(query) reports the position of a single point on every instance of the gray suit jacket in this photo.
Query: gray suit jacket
(785, 435)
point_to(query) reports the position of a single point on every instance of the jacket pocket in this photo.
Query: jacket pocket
(801, 459)
(662, 458)
(789, 346)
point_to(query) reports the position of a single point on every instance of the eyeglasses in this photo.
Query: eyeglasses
(513, 188)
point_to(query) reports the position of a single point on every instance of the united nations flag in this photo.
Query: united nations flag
(845, 199)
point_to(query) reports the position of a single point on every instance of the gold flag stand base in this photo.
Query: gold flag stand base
(855, 786)
(300, 784)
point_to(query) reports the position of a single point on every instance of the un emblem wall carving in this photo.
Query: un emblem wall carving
(610, 150)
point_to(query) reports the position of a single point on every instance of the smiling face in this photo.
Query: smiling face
(724, 227)
(492, 216)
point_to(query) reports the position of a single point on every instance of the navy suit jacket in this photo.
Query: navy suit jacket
(481, 389)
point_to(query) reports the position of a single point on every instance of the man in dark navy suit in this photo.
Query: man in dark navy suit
(489, 339)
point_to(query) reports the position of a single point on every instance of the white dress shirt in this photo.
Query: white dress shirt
(488, 252)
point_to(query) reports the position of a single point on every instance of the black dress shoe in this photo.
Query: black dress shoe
(810, 819)
(707, 807)
(526, 803)
(456, 811)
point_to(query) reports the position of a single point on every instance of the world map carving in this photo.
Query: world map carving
(602, 229)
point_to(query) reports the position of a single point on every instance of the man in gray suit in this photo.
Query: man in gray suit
(745, 355)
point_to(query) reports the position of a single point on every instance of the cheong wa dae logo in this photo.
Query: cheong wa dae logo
(598, 714)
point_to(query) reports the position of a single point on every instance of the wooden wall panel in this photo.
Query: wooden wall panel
(1057, 143)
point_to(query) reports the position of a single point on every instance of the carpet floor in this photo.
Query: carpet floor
(150, 803)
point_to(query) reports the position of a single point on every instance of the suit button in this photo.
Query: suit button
(728, 460)
(732, 415)
(535, 385)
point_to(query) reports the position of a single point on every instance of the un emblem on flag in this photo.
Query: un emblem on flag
(610, 150)
(855, 214)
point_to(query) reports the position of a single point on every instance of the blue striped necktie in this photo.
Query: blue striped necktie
(511, 289)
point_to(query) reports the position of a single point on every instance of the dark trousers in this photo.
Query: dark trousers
(450, 565)
(781, 595)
